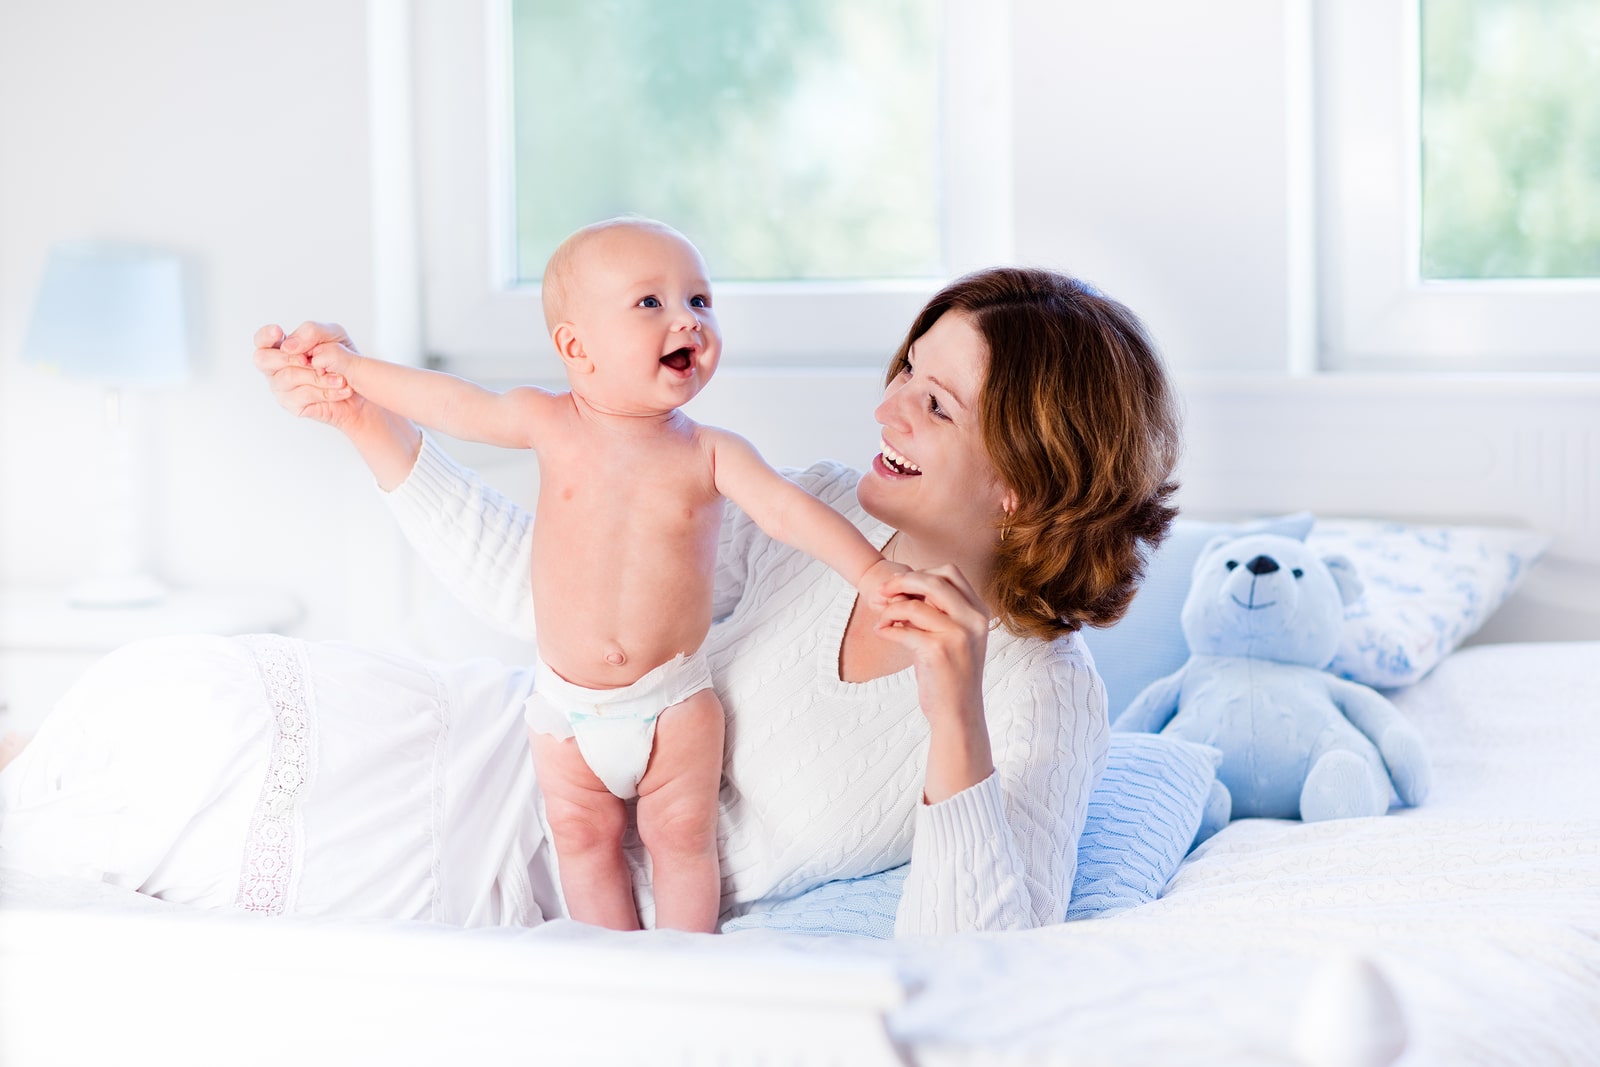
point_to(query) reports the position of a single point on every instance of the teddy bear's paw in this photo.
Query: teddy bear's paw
(1402, 750)
(1342, 785)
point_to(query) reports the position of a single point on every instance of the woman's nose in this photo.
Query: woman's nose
(891, 410)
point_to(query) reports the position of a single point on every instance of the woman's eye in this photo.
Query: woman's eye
(649, 302)
(934, 408)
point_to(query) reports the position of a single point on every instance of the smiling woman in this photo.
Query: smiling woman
(1075, 414)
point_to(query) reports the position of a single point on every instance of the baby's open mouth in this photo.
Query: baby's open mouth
(679, 360)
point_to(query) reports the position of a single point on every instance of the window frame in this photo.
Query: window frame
(477, 322)
(1376, 311)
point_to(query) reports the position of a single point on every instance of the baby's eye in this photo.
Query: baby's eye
(700, 301)
(649, 302)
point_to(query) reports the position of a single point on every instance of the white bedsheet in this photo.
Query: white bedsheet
(1481, 909)
(1481, 912)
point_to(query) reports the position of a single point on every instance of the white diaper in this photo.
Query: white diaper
(615, 728)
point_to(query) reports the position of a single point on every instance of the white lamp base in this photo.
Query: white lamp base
(120, 576)
(117, 591)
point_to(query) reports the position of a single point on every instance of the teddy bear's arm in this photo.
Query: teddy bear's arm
(1154, 707)
(1398, 741)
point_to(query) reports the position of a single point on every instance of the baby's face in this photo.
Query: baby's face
(641, 305)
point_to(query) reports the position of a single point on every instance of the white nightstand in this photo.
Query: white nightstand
(46, 643)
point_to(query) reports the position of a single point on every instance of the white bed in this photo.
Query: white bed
(1481, 911)
(1466, 931)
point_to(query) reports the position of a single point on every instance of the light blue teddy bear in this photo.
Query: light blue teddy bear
(1262, 619)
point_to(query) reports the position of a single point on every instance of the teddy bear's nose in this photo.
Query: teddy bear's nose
(1262, 565)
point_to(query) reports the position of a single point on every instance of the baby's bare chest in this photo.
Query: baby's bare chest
(607, 488)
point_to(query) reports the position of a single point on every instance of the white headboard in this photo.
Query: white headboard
(1451, 449)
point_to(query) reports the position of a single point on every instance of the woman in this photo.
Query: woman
(1029, 438)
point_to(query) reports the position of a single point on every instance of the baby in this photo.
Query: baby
(630, 505)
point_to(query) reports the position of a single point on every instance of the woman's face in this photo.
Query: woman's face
(933, 478)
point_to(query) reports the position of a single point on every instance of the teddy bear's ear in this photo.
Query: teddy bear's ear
(1211, 546)
(1345, 577)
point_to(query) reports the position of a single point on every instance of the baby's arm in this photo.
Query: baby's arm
(790, 514)
(451, 405)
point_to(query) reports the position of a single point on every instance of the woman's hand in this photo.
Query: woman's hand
(937, 616)
(299, 388)
(388, 443)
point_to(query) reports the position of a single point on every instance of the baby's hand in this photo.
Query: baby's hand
(871, 584)
(331, 357)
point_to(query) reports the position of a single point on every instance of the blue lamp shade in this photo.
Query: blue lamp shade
(112, 314)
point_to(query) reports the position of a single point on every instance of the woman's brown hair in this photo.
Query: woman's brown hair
(1079, 420)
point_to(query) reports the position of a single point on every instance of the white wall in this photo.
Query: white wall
(1152, 157)
(1154, 149)
(234, 133)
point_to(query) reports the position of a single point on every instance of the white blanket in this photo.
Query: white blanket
(1480, 913)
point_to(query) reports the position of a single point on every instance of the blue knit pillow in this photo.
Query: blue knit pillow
(1142, 819)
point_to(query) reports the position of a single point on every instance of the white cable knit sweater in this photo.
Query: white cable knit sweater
(822, 779)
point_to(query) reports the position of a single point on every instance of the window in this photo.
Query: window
(1510, 139)
(795, 139)
(834, 161)
(1460, 192)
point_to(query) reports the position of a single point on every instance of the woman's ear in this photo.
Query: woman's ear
(570, 348)
(1008, 502)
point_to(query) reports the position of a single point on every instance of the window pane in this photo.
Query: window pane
(791, 139)
(1510, 138)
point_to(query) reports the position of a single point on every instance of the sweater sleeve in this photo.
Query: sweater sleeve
(476, 541)
(1001, 855)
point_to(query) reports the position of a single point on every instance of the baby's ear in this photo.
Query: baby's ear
(570, 348)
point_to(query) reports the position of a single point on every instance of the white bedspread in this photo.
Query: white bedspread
(1481, 912)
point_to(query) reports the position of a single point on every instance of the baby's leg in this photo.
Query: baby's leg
(587, 822)
(678, 813)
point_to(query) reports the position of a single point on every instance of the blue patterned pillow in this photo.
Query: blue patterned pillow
(1142, 819)
(1148, 642)
(1425, 590)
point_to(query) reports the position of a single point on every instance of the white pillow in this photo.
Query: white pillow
(1426, 590)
